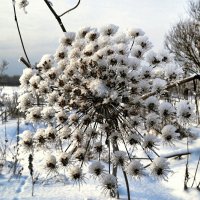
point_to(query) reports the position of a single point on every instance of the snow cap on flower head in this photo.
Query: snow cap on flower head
(22, 4)
(185, 111)
(160, 168)
(169, 133)
(96, 168)
(108, 30)
(76, 174)
(109, 183)
(135, 32)
(135, 169)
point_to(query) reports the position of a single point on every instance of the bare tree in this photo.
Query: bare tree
(3, 67)
(184, 39)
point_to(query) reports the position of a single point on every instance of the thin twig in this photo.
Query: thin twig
(70, 9)
(195, 172)
(56, 16)
(19, 32)
(186, 169)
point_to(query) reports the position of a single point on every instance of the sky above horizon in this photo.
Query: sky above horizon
(41, 32)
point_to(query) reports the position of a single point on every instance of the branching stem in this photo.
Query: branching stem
(56, 16)
(71, 9)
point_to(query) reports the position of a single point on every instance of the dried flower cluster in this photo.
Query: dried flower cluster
(89, 98)
(22, 4)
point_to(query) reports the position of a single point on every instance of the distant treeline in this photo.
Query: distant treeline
(6, 80)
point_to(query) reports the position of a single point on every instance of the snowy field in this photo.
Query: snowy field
(146, 188)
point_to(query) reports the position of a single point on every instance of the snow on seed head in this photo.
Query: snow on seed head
(34, 114)
(135, 32)
(158, 85)
(67, 39)
(108, 30)
(185, 111)
(27, 139)
(96, 169)
(119, 158)
(22, 4)
(152, 120)
(160, 168)
(135, 169)
(169, 134)
(152, 103)
(109, 183)
(150, 141)
(76, 174)
(26, 75)
(50, 163)
(165, 56)
(152, 58)
(173, 72)
(65, 159)
(45, 63)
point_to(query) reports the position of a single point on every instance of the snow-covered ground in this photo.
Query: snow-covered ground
(7, 90)
(145, 189)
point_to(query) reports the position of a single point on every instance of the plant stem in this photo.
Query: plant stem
(195, 172)
(71, 9)
(186, 169)
(127, 184)
(56, 16)
(19, 32)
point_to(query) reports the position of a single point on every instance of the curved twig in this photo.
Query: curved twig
(71, 9)
(19, 32)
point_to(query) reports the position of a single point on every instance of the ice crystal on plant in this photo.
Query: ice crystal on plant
(100, 98)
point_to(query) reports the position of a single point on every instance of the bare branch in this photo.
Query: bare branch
(71, 9)
(184, 39)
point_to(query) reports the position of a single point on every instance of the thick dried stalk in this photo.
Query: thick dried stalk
(175, 84)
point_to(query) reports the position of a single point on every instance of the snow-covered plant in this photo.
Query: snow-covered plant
(160, 168)
(90, 101)
(22, 4)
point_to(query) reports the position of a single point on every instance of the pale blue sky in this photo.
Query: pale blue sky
(41, 31)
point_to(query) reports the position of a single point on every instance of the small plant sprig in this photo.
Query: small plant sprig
(30, 167)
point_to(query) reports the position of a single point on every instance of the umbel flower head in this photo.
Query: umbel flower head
(160, 168)
(51, 164)
(90, 98)
(135, 169)
(109, 183)
(96, 169)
